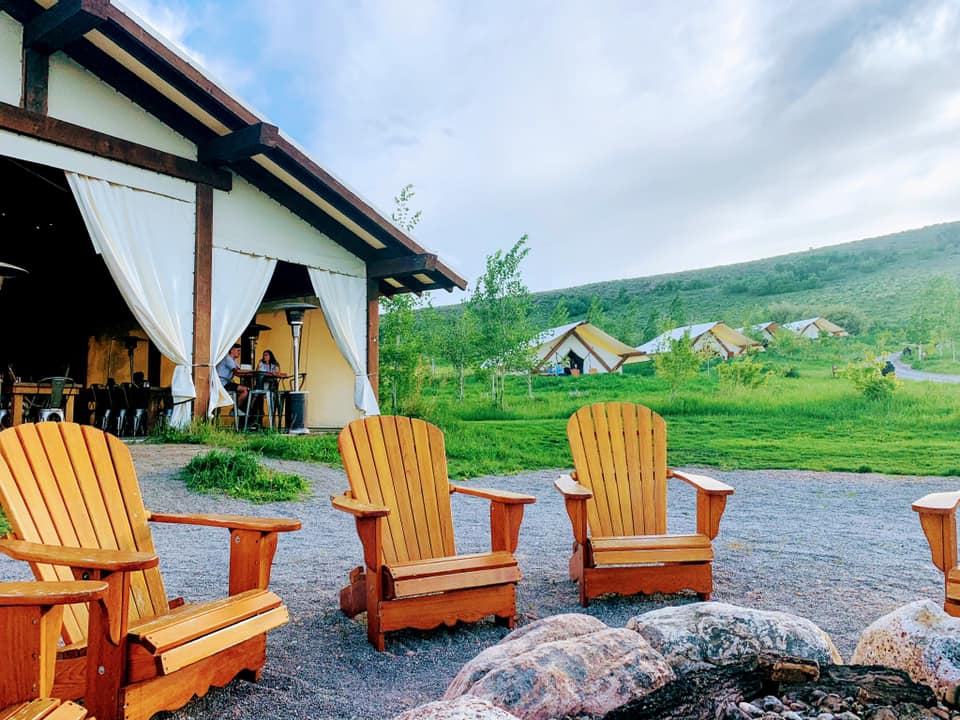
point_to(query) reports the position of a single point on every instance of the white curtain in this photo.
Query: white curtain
(344, 302)
(239, 283)
(147, 242)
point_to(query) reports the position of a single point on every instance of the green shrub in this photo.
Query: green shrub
(744, 372)
(240, 474)
(867, 377)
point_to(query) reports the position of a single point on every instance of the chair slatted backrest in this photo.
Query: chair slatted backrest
(401, 463)
(75, 486)
(620, 453)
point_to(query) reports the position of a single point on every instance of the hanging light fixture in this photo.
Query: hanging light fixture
(10, 271)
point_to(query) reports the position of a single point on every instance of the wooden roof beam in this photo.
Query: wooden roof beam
(406, 265)
(239, 145)
(65, 134)
(64, 23)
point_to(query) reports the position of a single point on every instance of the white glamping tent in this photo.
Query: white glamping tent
(715, 337)
(583, 347)
(815, 327)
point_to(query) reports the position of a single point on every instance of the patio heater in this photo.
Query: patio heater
(296, 400)
(252, 333)
(130, 342)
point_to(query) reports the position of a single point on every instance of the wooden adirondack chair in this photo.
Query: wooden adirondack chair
(30, 618)
(400, 497)
(71, 495)
(617, 502)
(938, 518)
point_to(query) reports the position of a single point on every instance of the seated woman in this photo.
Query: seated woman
(268, 363)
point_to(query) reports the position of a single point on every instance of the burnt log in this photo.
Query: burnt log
(867, 684)
(715, 693)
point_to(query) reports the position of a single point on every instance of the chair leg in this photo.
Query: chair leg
(374, 634)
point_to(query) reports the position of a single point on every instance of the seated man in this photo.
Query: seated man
(225, 370)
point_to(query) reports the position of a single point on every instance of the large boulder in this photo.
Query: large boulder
(466, 707)
(703, 635)
(563, 665)
(920, 639)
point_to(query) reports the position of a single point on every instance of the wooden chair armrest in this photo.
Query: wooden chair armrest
(575, 498)
(939, 522)
(711, 500)
(940, 503)
(85, 558)
(231, 522)
(501, 496)
(571, 489)
(23, 594)
(702, 483)
(358, 509)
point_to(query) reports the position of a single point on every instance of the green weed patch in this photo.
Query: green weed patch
(240, 474)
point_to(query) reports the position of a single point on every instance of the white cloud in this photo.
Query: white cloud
(627, 138)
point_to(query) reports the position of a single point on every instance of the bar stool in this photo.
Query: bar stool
(138, 398)
(54, 405)
(264, 388)
(102, 407)
(119, 403)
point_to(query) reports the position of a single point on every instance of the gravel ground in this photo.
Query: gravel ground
(838, 548)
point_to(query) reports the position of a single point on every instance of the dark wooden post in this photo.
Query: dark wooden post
(373, 335)
(202, 293)
(36, 74)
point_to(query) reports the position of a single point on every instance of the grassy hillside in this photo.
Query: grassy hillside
(868, 283)
(877, 277)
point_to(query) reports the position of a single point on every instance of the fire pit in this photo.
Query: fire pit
(772, 687)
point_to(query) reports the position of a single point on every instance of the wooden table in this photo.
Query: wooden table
(22, 389)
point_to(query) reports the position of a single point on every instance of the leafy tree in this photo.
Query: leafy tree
(677, 312)
(628, 325)
(678, 365)
(400, 350)
(652, 327)
(400, 346)
(743, 372)
(935, 315)
(596, 313)
(501, 305)
(405, 218)
(561, 313)
(457, 341)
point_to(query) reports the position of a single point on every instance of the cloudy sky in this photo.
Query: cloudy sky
(626, 138)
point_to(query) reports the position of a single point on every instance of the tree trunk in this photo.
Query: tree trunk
(530, 385)
(462, 373)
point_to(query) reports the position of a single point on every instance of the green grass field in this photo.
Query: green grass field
(813, 422)
(937, 364)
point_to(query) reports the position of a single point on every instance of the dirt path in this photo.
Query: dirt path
(905, 372)
(838, 548)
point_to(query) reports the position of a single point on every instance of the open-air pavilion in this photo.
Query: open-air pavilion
(147, 202)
